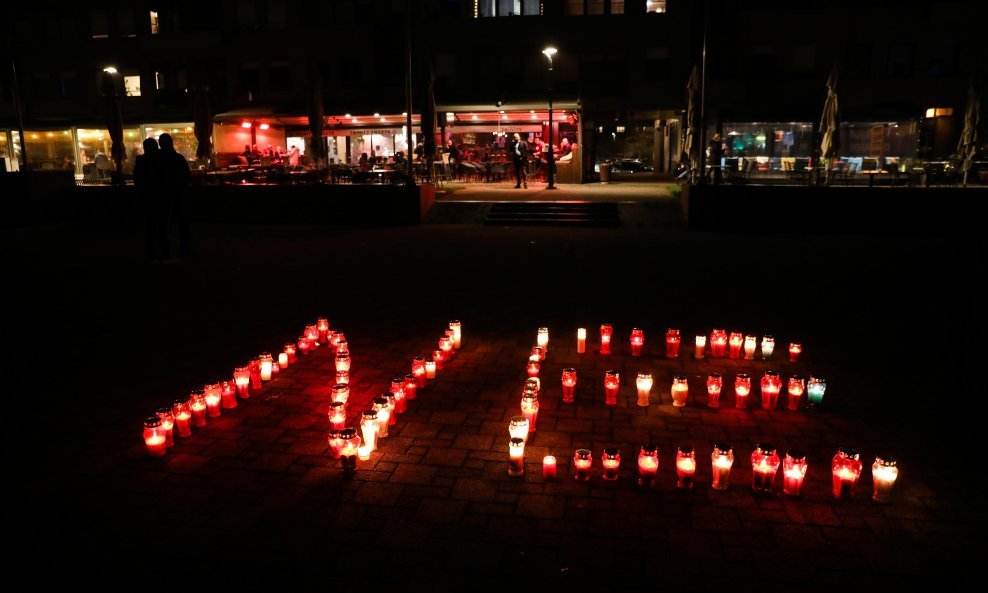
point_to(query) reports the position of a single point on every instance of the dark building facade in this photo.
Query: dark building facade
(618, 80)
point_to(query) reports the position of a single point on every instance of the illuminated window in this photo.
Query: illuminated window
(154, 23)
(655, 5)
(617, 6)
(619, 129)
(490, 8)
(132, 86)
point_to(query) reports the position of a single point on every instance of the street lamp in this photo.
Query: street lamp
(548, 53)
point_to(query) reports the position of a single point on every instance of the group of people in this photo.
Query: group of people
(253, 154)
(162, 178)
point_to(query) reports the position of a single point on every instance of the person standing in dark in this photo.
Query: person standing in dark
(519, 154)
(716, 153)
(148, 183)
(175, 180)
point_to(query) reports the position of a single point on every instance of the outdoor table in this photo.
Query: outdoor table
(871, 176)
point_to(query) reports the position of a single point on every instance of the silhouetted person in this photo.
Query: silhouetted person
(519, 155)
(716, 152)
(175, 179)
(147, 180)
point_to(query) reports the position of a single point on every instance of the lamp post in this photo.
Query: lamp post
(549, 52)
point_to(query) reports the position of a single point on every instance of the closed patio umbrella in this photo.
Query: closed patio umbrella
(830, 123)
(968, 145)
(114, 121)
(317, 119)
(203, 121)
(690, 145)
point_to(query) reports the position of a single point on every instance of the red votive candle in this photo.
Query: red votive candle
(794, 351)
(611, 461)
(718, 343)
(183, 418)
(606, 332)
(411, 387)
(715, 383)
(418, 371)
(846, 469)
(322, 324)
(214, 397)
(398, 390)
(672, 343)
(735, 342)
(254, 370)
(771, 385)
(530, 409)
(340, 393)
(154, 437)
(764, 465)
(685, 467)
(337, 415)
(612, 382)
(290, 351)
(648, 466)
(197, 404)
(582, 460)
(548, 467)
(569, 385)
(742, 388)
(793, 472)
(167, 417)
(637, 341)
(796, 388)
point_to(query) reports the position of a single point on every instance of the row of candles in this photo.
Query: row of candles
(846, 467)
(345, 443)
(184, 414)
(733, 345)
(770, 384)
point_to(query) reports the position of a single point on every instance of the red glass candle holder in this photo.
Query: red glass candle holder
(648, 466)
(718, 343)
(549, 467)
(764, 465)
(457, 328)
(392, 405)
(518, 428)
(369, 427)
(794, 351)
(516, 457)
(291, 350)
(154, 437)
(342, 377)
(537, 353)
(380, 405)
(796, 388)
(312, 334)
(398, 390)
(611, 460)
(721, 462)
(542, 339)
(735, 342)
(793, 473)
(349, 450)
(341, 345)
(530, 410)
(335, 443)
(337, 415)
(532, 367)
(303, 345)
(266, 363)
(637, 341)
(685, 467)
(275, 367)
(581, 340)
(335, 338)
(606, 333)
(411, 387)
(612, 382)
(214, 397)
(342, 362)
(771, 385)
(254, 368)
(846, 469)
(430, 369)
(322, 324)
(340, 393)
(582, 460)
(241, 385)
(569, 385)
(680, 390)
(197, 405)
(437, 358)
(533, 384)
(446, 347)
(715, 383)
(768, 347)
(418, 371)
(742, 388)
(183, 418)
(672, 343)
(167, 417)
(883, 475)
(644, 384)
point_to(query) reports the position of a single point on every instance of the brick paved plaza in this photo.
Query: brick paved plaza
(253, 501)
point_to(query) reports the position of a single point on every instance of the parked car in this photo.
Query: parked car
(630, 166)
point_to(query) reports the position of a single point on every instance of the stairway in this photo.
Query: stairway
(582, 214)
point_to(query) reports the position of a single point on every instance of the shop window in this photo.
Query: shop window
(617, 6)
(132, 85)
(655, 6)
(155, 27)
(943, 59)
(50, 150)
(126, 26)
(900, 60)
(98, 27)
